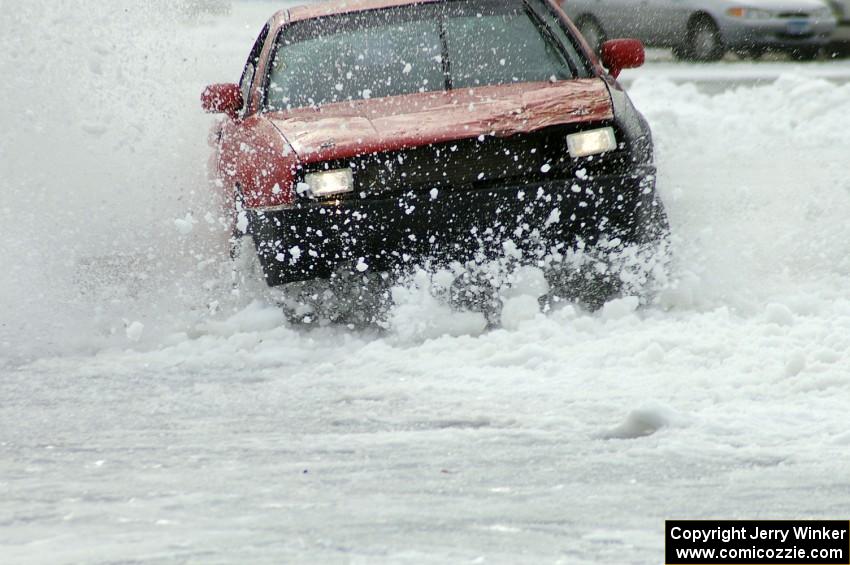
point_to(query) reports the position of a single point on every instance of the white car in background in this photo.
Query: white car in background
(196, 8)
(704, 30)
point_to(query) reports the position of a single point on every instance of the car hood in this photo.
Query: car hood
(337, 131)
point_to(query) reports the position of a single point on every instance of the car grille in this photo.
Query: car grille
(476, 163)
(794, 15)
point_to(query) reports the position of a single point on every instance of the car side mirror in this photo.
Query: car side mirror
(222, 99)
(619, 54)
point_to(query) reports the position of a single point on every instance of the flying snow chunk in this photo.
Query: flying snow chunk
(519, 309)
(434, 193)
(95, 129)
(134, 331)
(796, 363)
(526, 281)
(361, 265)
(653, 353)
(242, 221)
(417, 315)
(546, 168)
(186, 224)
(645, 421)
(779, 314)
(620, 307)
(407, 68)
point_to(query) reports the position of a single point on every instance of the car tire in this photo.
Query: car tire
(704, 41)
(593, 34)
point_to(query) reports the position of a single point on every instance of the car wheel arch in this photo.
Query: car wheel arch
(701, 16)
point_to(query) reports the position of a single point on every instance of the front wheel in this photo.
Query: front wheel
(704, 41)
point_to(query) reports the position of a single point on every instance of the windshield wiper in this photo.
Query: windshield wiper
(444, 55)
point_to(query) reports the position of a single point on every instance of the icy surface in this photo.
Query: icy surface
(149, 415)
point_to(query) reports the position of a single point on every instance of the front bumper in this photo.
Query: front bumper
(778, 33)
(313, 240)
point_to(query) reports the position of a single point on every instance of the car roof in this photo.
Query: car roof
(340, 7)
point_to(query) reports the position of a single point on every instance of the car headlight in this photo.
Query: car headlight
(329, 183)
(591, 142)
(749, 13)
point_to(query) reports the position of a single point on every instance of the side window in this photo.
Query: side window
(251, 67)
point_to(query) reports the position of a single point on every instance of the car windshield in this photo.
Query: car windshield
(419, 48)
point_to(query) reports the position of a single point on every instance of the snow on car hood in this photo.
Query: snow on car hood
(341, 130)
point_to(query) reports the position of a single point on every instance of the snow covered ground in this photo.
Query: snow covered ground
(149, 416)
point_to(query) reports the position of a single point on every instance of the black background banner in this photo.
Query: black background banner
(757, 542)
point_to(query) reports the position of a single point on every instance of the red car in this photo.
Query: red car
(370, 134)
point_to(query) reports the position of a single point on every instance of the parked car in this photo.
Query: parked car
(704, 30)
(197, 8)
(368, 134)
